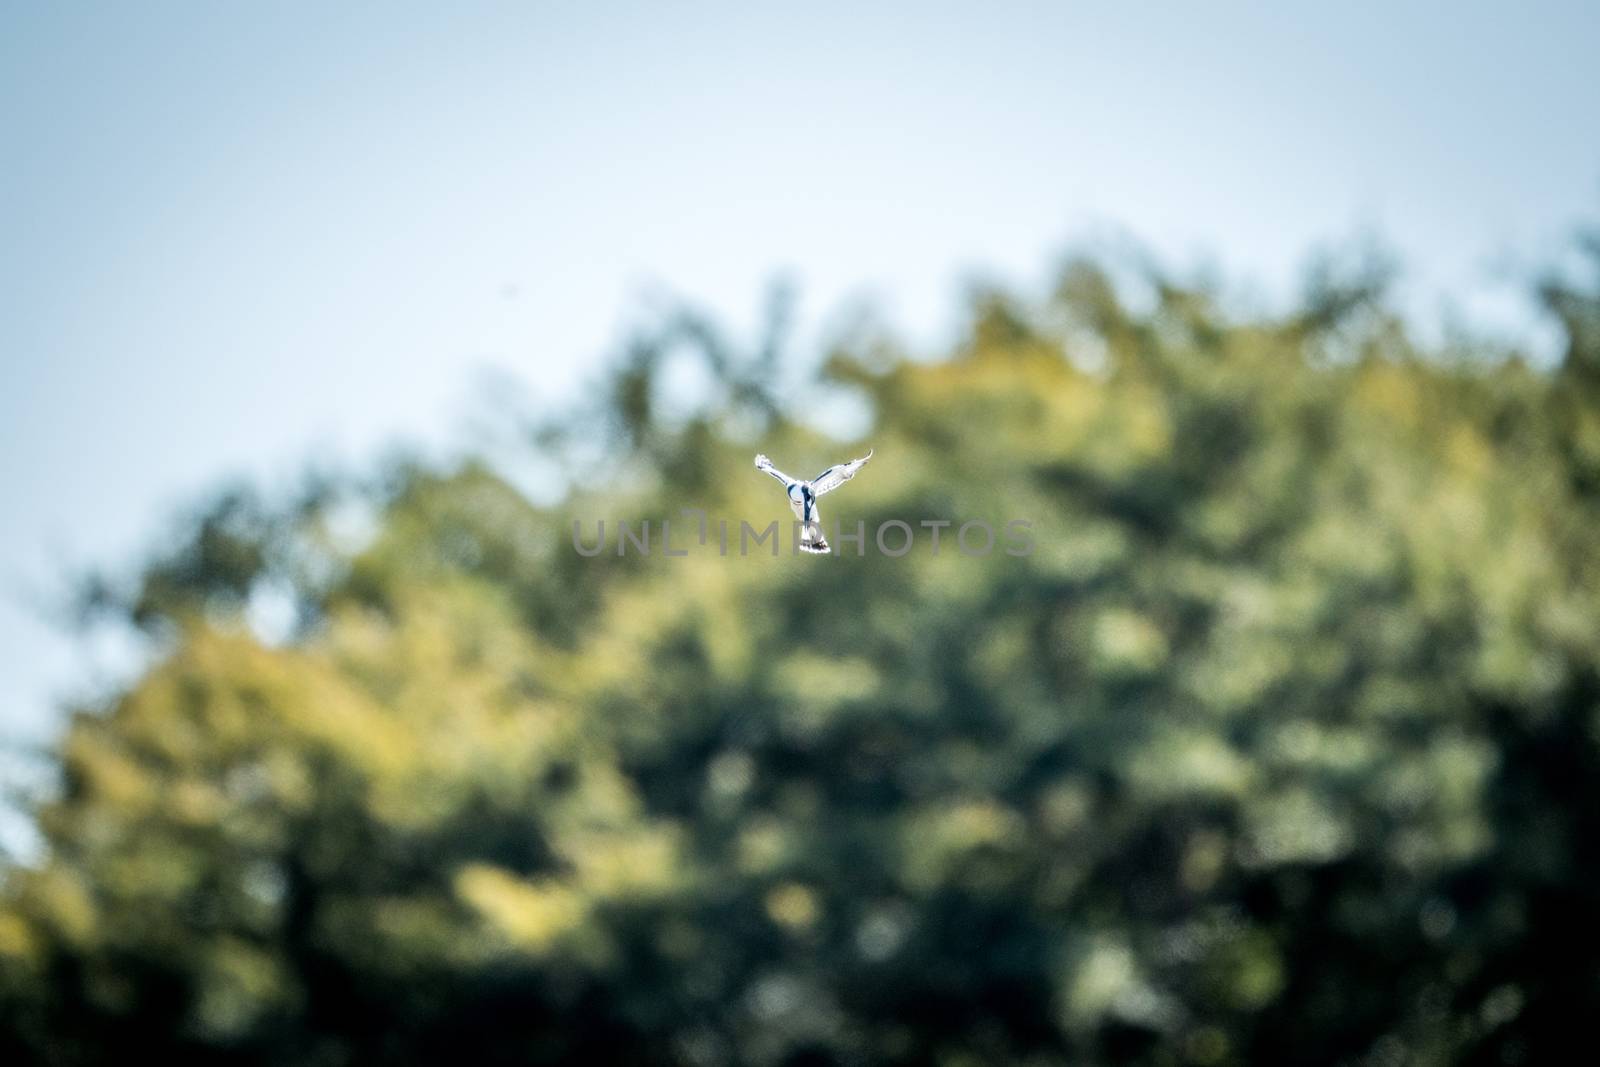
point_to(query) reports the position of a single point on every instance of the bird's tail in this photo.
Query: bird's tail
(811, 539)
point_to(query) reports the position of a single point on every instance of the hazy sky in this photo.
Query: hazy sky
(235, 237)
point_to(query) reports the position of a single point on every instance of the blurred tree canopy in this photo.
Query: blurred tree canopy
(1280, 747)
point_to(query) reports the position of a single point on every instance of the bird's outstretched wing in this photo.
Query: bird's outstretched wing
(837, 475)
(765, 464)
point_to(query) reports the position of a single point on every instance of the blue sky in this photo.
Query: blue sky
(236, 238)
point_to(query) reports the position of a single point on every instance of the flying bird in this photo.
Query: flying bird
(803, 497)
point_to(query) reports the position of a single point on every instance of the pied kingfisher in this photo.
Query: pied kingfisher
(803, 497)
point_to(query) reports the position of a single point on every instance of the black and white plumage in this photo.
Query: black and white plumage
(803, 497)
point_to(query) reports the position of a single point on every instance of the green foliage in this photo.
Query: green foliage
(1280, 747)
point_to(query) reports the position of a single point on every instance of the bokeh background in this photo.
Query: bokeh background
(320, 327)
